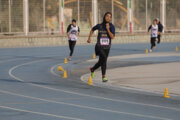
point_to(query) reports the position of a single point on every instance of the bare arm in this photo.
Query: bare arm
(109, 32)
(67, 34)
(78, 31)
(90, 35)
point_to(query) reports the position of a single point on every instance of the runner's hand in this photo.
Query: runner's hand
(107, 26)
(89, 40)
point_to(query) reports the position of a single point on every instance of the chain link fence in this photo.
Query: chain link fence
(50, 17)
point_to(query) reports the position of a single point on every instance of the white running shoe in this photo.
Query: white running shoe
(150, 50)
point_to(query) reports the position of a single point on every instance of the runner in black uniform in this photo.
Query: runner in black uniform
(160, 30)
(106, 32)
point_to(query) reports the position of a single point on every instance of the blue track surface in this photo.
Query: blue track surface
(30, 91)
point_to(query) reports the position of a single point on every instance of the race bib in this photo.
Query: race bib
(154, 33)
(73, 36)
(104, 41)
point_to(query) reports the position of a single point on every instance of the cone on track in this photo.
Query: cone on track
(166, 93)
(177, 48)
(65, 60)
(65, 74)
(90, 82)
(94, 56)
(146, 51)
(60, 68)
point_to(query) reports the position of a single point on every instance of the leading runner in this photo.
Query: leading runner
(106, 32)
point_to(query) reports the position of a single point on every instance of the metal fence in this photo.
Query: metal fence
(34, 17)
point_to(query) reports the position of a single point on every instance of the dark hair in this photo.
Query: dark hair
(104, 18)
(73, 20)
(155, 20)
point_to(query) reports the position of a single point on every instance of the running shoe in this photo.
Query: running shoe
(104, 79)
(150, 50)
(92, 73)
(69, 59)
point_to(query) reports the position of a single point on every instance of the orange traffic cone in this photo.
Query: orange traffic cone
(60, 68)
(65, 60)
(94, 56)
(177, 48)
(65, 74)
(166, 93)
(90, 82)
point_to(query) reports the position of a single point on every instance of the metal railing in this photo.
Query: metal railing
(48, 17)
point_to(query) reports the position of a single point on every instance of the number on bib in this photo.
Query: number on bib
(104, 41)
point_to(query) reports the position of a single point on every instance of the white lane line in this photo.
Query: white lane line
(13, 60)
(52, 70)
(40, 113)
(84, 79)
(114, 100)
(80, 106)
(86, 107)
(132, 56)
(99, 84)
(80, 94)
(15, 67)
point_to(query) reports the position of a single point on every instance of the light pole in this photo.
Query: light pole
(61, 9)
(94, 11)
(164, 13)
(26, 17)
(130, 22)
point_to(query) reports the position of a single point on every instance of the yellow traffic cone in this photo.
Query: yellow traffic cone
(90, 82)
(177, 48)
(65, 74)
(65, 60)
(146, 51)
(94, 56)
(166, 93)
(60, 68)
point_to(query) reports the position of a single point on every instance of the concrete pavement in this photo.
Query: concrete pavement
(152, 77)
